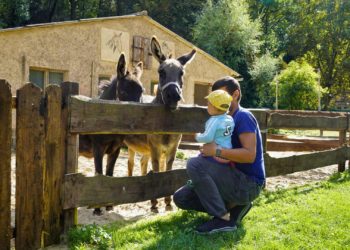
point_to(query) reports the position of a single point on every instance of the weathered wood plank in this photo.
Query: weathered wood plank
(342, 142)
(71, 149)
(297, 163)
(108, 117)
(92, 116)
(30, 161)
(100, 190)
(304, 121)
(5, 164)
(54, 173)
(308, 113)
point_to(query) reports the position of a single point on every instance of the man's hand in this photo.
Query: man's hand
(208, 149)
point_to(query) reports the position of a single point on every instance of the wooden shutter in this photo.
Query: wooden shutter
(137, 49)
(147, 54)
(142, 51)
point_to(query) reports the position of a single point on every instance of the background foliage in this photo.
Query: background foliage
(257, 38)
(298, 87)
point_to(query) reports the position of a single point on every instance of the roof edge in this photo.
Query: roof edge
(142, 14)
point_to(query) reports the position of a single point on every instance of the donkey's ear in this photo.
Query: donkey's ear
(121, 68)
(138, 70)
(187, 58)
(157, 50)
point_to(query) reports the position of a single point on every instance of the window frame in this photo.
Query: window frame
(47, 72)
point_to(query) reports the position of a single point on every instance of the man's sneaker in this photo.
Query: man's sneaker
(216, 225)
(238, 212)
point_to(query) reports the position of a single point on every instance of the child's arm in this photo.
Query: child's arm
(209, 133)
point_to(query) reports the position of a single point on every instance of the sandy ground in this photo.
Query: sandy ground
(140, 210)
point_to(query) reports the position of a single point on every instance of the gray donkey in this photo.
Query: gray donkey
(161, 148)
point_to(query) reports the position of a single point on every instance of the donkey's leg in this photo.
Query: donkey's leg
(98, 158)
(131, 161)
(169, 165)
(155, 156)
(144, 164)
(111, 159)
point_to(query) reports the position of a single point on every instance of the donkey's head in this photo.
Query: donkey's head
(124, 86)
(171, 73)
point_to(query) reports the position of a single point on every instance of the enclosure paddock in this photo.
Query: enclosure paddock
(48, 189)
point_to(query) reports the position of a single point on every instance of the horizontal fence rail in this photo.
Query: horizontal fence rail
(102, 190)
(108, 117)
(305, 121)
(89, 116)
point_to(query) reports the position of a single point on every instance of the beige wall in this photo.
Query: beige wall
(76, 48)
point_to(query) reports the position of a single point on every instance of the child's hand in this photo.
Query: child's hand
(208, 149)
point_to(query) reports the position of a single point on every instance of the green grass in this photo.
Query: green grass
(315, 216)
(181, 155)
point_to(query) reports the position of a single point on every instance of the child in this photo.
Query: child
(220, 125)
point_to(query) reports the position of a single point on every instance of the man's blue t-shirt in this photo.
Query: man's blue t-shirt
(245, 122)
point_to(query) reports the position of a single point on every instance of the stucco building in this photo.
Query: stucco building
(86, 51)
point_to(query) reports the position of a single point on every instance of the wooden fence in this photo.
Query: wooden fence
(48, 187)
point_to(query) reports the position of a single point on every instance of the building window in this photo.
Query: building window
(37, 77)
(104, 78)
(154, 88)
(44, 77)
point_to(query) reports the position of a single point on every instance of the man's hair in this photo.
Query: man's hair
(230, 83)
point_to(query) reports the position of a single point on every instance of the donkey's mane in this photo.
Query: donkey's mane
(106, 84)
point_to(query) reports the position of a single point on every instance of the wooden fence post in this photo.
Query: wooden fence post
(30, 160)
(264, 131)
(54, 172)
(342, 141)
(5, 164)
(71, 148)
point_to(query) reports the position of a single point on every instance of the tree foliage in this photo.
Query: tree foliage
(225, 30)
(263, 72)
(316, 30)
(244, 34)
(298, 87)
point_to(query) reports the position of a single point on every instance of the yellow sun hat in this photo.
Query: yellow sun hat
(220, 99)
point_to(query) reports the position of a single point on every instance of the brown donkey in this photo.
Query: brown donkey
(161, 148)
(124, 86)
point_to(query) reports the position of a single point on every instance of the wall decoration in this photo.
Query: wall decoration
(113, 43)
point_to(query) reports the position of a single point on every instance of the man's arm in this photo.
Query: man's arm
(246, 154)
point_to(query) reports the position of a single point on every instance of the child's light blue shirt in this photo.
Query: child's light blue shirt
(219, 129)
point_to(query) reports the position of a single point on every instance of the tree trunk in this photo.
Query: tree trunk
(73, 9)
(52, 10)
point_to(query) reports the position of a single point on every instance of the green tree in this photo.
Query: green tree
(263, 72)
(226, 31)
(316, 30)
(13, 13)
(179, 16)
(298, 87)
